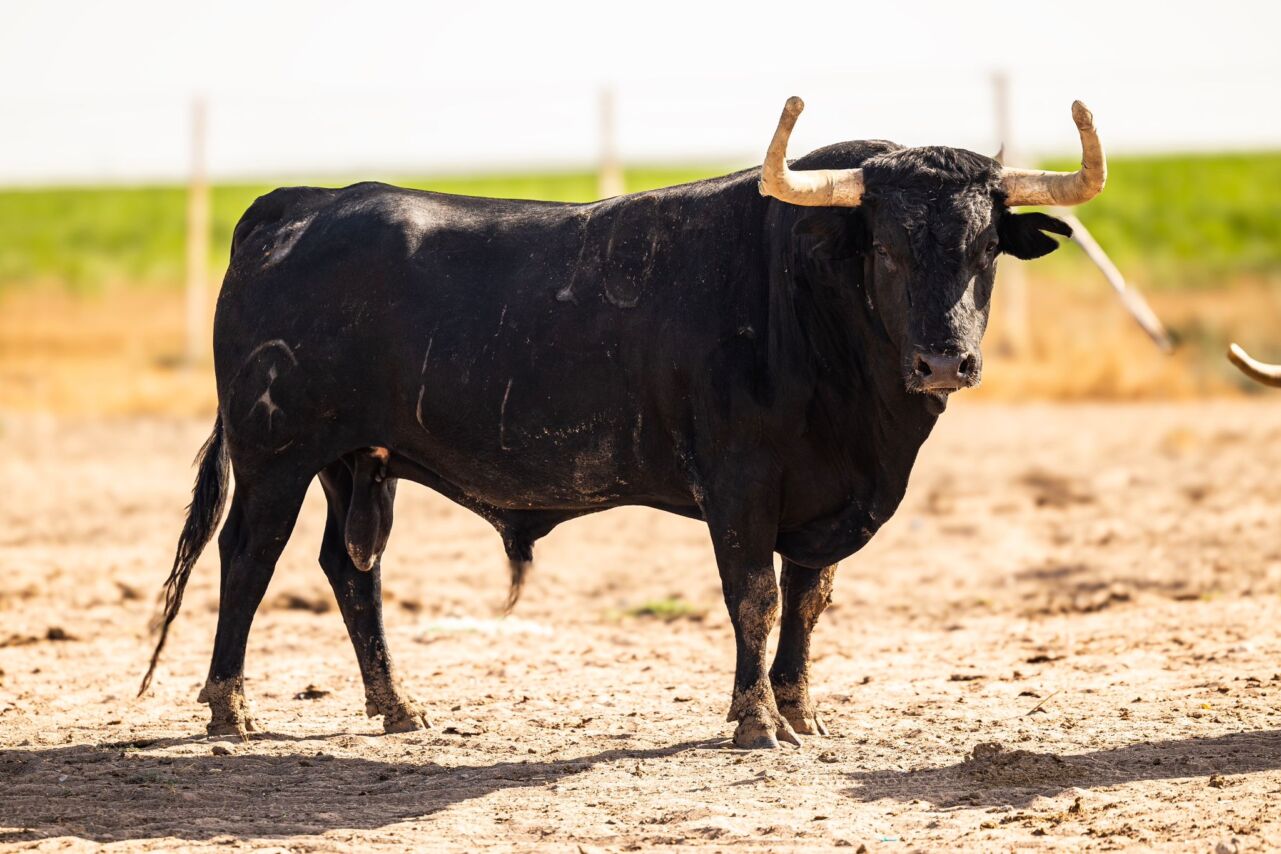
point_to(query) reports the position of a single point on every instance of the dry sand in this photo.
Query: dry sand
(1067, 638)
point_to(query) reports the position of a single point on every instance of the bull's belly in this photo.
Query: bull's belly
(581, 478)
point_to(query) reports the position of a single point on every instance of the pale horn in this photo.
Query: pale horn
(1254, 369)
(1039, 187)
(841, 188)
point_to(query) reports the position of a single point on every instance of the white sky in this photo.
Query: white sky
(101, 90)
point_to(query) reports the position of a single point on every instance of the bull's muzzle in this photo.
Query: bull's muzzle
(943, 372)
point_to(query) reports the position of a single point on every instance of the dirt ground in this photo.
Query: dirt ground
(1067, 638)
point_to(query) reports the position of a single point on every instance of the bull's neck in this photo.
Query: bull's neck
(859, 394)
(894, 421)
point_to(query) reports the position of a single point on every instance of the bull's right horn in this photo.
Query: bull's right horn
(1255, 370)
(1040, 187)
(841, 188)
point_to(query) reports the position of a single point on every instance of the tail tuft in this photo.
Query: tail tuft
(208, 498)
(520, 557)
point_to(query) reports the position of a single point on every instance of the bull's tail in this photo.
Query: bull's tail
(208, 497)
(520, 557)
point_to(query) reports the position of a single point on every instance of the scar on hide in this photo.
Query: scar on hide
(427, 355)
(619, 301)
(418, 409)
(502, 419)
(275, 342)
(265, 400)
(422, 385)
(639, 282)
(566, 294)
(613, 298)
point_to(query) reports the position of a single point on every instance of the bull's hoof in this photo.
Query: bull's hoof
(406, 723)
(229, 711)
(405, 716)
(804, 720)
(763, 731)
(235, 729)
(237, 725)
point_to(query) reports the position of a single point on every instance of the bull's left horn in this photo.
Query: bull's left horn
(1038, 187)
(841, 188)
(1254, 369)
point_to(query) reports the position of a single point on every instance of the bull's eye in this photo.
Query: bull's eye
(989, 253)
(883, 254)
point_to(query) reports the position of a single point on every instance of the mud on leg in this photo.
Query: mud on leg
(258, 525)
(743, 533)
(806, 594)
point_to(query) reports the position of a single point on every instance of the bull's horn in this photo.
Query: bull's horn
(1255, 370)
(1038, 187)
(813, 187)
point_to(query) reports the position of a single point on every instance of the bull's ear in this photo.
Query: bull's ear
(1023, 235)
(828, 235)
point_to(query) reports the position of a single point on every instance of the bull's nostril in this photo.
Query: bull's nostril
(967, 366)
(922, 367)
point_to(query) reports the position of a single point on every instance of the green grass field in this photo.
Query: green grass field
(1190, 220)
(1180, 221)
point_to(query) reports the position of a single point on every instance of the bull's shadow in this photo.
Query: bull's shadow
(103, 793)
(993, 776)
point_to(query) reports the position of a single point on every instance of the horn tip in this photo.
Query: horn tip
(1082, 116)
(1235, 353)
(794, 105)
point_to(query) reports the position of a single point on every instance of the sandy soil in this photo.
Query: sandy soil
(1067, 638)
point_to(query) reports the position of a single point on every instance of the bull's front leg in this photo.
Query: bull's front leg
(752, 597)
(806, 594)
(744, 554)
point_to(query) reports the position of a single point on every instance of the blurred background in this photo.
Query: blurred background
(136, 133)
(1086, 568)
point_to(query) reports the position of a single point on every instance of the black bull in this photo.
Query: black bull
(698, 349)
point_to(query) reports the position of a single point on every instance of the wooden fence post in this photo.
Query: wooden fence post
(197, 284)
(1014, 336)
(609, 181)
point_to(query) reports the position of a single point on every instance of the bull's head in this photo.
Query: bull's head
(931, 224)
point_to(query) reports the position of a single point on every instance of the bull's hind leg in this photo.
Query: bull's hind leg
(806, 594)
(258, 525)
(359, 593)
